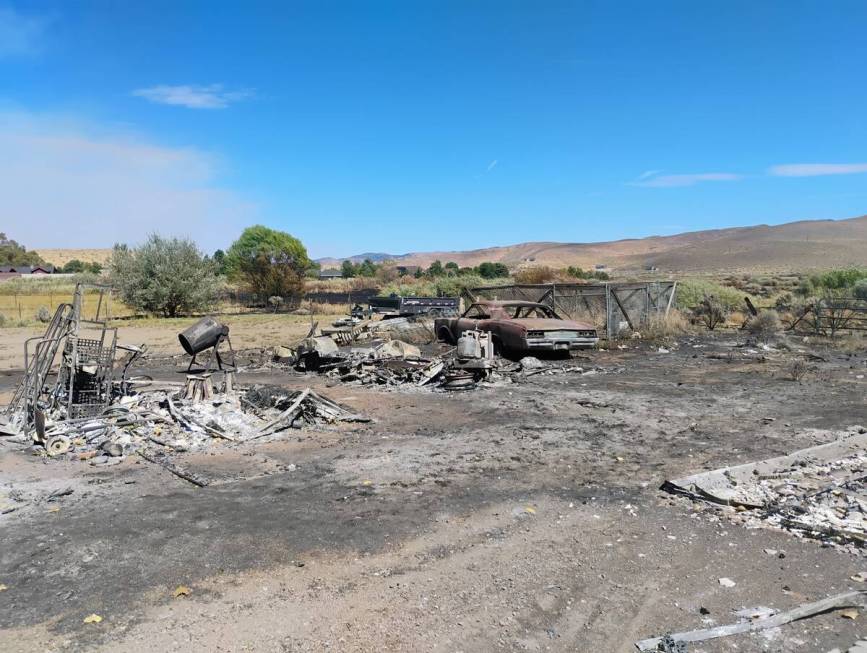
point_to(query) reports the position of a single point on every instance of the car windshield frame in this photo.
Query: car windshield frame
(522, 312)
(486, 314)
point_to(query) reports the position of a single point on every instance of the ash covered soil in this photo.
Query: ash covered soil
(519, 517)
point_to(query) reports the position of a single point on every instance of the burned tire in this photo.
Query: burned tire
(445, 335)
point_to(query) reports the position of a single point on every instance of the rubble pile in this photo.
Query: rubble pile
(168, 421)
(817, 492)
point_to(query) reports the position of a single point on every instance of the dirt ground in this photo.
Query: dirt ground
(161, 335)
(520, 517)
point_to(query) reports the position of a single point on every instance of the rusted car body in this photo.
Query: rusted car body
(519, 326)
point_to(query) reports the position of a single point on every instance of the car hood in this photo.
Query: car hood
(546, 324)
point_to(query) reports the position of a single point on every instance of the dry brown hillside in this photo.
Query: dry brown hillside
(805, 245)
(809, 244)
(61, 257)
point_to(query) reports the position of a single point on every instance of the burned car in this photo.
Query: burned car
(519, 326)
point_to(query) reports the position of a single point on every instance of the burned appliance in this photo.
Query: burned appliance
(208, 334)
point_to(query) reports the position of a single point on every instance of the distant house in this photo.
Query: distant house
(407, 270)
(330, 273)
(26, 269)
(601, 266)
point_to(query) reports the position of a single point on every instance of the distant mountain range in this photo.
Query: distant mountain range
(791, 247)
(794, 246)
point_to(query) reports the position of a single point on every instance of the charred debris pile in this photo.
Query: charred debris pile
(402, 352)
(78, 398)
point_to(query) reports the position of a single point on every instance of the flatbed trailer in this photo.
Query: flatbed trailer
(397, 306)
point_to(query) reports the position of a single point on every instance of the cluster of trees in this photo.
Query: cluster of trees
(78, 267)
(11, 253)
(171, 276)
(435, 270)
(366, 268)
(485, 270)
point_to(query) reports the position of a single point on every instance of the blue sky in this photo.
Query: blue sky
(412, 126)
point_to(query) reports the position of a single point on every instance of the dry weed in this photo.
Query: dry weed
(661, 327)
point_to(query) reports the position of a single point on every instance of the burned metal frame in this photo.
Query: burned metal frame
(610, 303)
(85, 379)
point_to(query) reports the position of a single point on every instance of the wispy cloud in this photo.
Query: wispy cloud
(212, 96)
(20, 35)
(108, 187)
(492, 165)
(652, 179)
(816, 169)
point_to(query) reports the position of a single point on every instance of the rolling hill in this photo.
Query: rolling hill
(790, 247)
(794, 246)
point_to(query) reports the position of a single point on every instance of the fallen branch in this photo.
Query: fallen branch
(837, 602)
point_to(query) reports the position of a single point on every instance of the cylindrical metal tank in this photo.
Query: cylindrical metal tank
(469, 347)
(202, 335)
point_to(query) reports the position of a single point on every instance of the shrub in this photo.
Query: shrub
(2, 320)
(276, 301)
(691, 293)
(838, 279)
(660, 327)
(765, 325)
(164, 276)
(711, 312)
(43, 314)
(798, 369)
(535, 275)
(489, 270)
(785, 302)
(860, 289)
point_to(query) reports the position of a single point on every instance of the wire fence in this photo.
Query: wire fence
(613, 307)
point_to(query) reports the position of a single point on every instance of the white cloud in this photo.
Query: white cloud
(212, 96)
(652, 179)
(492, 165)
(20, 35)
(67, 184)
(816, 169)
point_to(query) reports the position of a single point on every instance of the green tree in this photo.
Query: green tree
(11, 253)
(347, 269)
(74, 267)
(94, 267)
(367, 268)
(164, 276)
(436, 269)
(268, 262)
(489, 270)
(219, 259)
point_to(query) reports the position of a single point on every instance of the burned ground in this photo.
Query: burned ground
(520, 516)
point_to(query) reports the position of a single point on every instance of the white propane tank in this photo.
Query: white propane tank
(469, 347)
